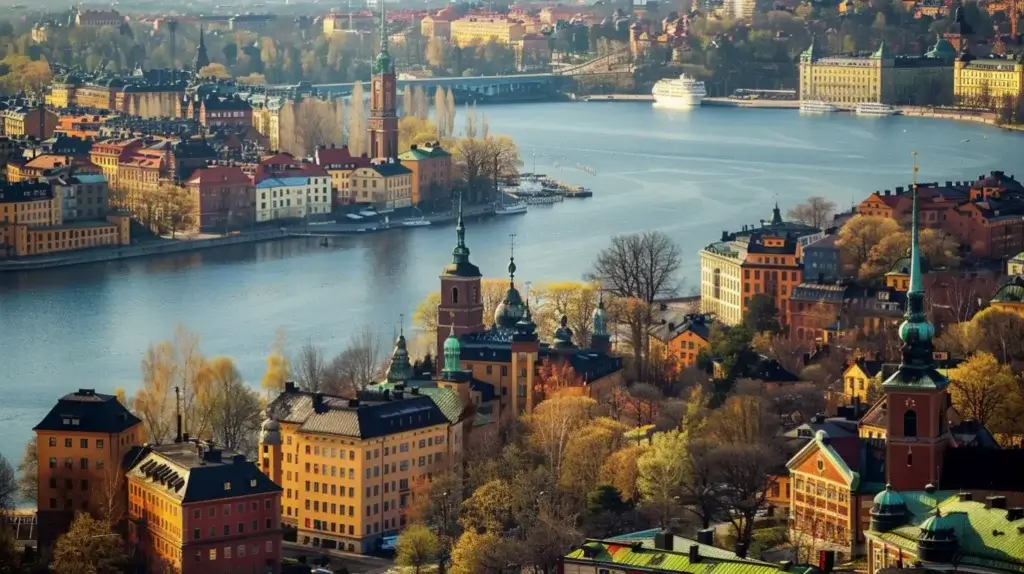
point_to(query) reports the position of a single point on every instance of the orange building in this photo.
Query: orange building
(682, 334)
(194, 508)
(108, 155)
(26, 121)
(81, 444)
(82, 126)
(431, 168)
(339, 164)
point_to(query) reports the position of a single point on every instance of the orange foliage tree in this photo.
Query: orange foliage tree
(553, 377)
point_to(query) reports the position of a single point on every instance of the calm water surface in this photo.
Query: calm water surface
(689, 174)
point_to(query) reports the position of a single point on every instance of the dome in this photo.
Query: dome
(888, 510)
(937, 539)
(888, 498)
(938, 525)
(399, 370)
(563, 335)
(452, 342)
(452, 353)
(270, 430)
(923, 331)
(525, 329)
(510, 310)
(942, 50)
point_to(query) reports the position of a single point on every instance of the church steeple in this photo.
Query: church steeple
(400, 370)
(202, 59)
(460, 254)
(383, 64)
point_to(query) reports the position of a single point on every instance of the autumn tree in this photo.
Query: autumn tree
(315, 125)
(28, 472)
(762, 314)
(744, 473)
(587, 450)
(436, 503)
(620, 470)
(661, 472)
(90, 545)
(278, 368)
(415, 131)
(999, 332)
(859, 236)
(252, 79)
(638, 268)
(417, 547)
(700, 490)
(816, 212)
(575, 300)
(980, 387)
(553, 423)
(358, 364)
(215, 70)
(235, 407)
(179, 208)
(742, 418)
(501, 160)
(154, 400)
(639, 403)
(424, 318)
(440, 113)
(938, 250)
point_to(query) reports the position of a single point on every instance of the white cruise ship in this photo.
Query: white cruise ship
(682, 92)
(875, 109)
(817, 107)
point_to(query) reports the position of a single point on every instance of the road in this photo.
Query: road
(355, 563)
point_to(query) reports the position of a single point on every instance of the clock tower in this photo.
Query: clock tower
(383, 124)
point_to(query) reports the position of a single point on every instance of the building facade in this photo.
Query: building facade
(340, 164)
(471, 30)
(226, 198)
(383, 120)
(431, 170)
(83, 196)
(80, 446)
(987, 82)
(387, 184)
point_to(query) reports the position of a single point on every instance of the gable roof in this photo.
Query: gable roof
(821, 444)
(182, 472)
(88, 411)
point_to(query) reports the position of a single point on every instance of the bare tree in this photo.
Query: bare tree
(640, 267)
(358, 364)
(816, 212)
(178, 207)
(236, 414)
(744, 473)
(700, 490)
(358, 141)
(310, 368)
(314, 125)
(111, 507)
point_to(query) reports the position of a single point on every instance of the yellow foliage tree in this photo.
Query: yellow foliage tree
(278, 369)
(980, 386)
(860, 235)
(413, 130)
(252, 79)
(620, 470)
(938, 248)
(215, 70)
(587, 450)
(553, 423)
(576, 300)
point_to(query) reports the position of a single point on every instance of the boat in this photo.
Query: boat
(368, 213)
(817, 107)
(415, 222)
(681, 93)
(510, 208)
(353, 216)
(875, 109)
(543, 199)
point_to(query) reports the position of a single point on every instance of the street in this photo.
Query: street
(355, 563)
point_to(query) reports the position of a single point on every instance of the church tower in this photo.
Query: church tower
(202, 59)
(916, 395)
(383, 126)
(461, 310)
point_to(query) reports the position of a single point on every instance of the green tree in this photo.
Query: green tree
(762, 315)
(661, 472)
(731, 346)
(89, 546)
(417, 546)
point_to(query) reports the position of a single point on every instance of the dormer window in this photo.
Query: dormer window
(252, 483)
(74, 422)
(227, 486)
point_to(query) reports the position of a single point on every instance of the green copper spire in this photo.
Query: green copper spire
(400, 370)
(452, 354)
(460, 266)
(917, 367)
(383, 63)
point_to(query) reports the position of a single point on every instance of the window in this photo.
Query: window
(195, 534)
(227, 552)
(84, 443)
(213, 554)
(67, 443)
(910, 423)
(83, 463)
(53, 462)
(53, 441)
(269, 546)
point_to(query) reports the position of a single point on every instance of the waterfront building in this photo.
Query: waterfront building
(438, 25)
(340, 164)
(28, 120)
(139, 176)
(508, 355)
(838, 486)
(195, 508)
(988, 82)
(98, 18)
(470, 30)
(387, 184)
(681, 334)
(879, 77)
(80, 446)
(98, 93)
(108, 155)
(225, 196)
(383, 120)
(84, 196)
(431, 169)
(287, 188)
(764, 259)
(348, 464)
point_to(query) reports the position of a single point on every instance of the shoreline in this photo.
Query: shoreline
(174, 246)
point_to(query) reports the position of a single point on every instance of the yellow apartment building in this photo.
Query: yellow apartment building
(347, 465)
(387, 184)
(473, 30)
(81, 444)
(858, 378)
(985, 82)
(880, 77)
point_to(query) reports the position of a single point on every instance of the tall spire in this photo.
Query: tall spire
(460, 255)
(383, 27)
(917, 367)
(512, 262)
(383, 63)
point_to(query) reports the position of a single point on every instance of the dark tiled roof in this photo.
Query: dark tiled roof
(1011, 291)
(672, 322)
(25, 191)
(870, 368)
(88, 411)
(970, 468)
(390, 169)
(189, 475)
(818, 292)
(770, 370)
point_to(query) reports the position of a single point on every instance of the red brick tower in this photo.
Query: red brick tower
(383, 125)
(461, 306)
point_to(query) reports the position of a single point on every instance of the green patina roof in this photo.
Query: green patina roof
(423, 153)
(888, 497)
(985, 537)
(622, 555)
(820, 443)
(1012, 291)
(882, 53)
(646, 539)
(942, 50)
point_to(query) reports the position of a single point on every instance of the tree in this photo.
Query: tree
(425, 316)
(620, 470)
(235, 407)
(742, 418)
(587, 450)
(575, 300)
(90, 545)
(440, 115)
(215, 70)
(310, 369)
(315, 125)
(554, 377)
(252, 79)
(357, 365)
(816, 212)
(501, 160)
(661, 472)
(743, 472)
(641, 268)
(762, 315)
(938, 249)
(639, 403)
(413, 130)
(278, 369)
(436, 503)
(417, 546)
(859, 235)
(485, 553)
(999, 332)
(700, 490)
(552, 424)
(356, 126)
(980, 387)
(731, 346)
(154, 399)
(28, 472)
(178, 206)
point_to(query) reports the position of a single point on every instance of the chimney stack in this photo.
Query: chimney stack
(694, 554)
(177, 409)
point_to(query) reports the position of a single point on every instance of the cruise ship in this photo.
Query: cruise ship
(875, 109)
(682, 92)
(817, 107)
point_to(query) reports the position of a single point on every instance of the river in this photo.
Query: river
(689, 174)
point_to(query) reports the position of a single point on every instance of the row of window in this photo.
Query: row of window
(239, 529)
(83, 463)
(82, 443)
(239, 551)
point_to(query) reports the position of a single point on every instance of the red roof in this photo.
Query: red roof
(328, 156)
(225, 175)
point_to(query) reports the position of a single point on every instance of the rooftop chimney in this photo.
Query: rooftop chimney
(177, 410)
(706, 536)
(663, 540)
(289, 387)
(995, 502)
(1014, 514)
(694, 553)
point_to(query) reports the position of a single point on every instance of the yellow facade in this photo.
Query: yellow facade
(61, 95)
(841, 80)
(721, 285)
(856, 382)
(880, 77)
(267, 121)
(986, 82)
(471, 30)
(382, 185)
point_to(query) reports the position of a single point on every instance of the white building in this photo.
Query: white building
(293, 196)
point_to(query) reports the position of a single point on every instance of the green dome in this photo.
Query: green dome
(942, 50)
(924, 331)
(452, 353)
(888, 498)
(452, 343)
(937, 524)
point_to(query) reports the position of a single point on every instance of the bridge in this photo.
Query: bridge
(477, 85)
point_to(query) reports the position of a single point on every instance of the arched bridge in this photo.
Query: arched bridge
(478, 85)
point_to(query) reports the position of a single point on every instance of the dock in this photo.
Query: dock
(719, 102)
